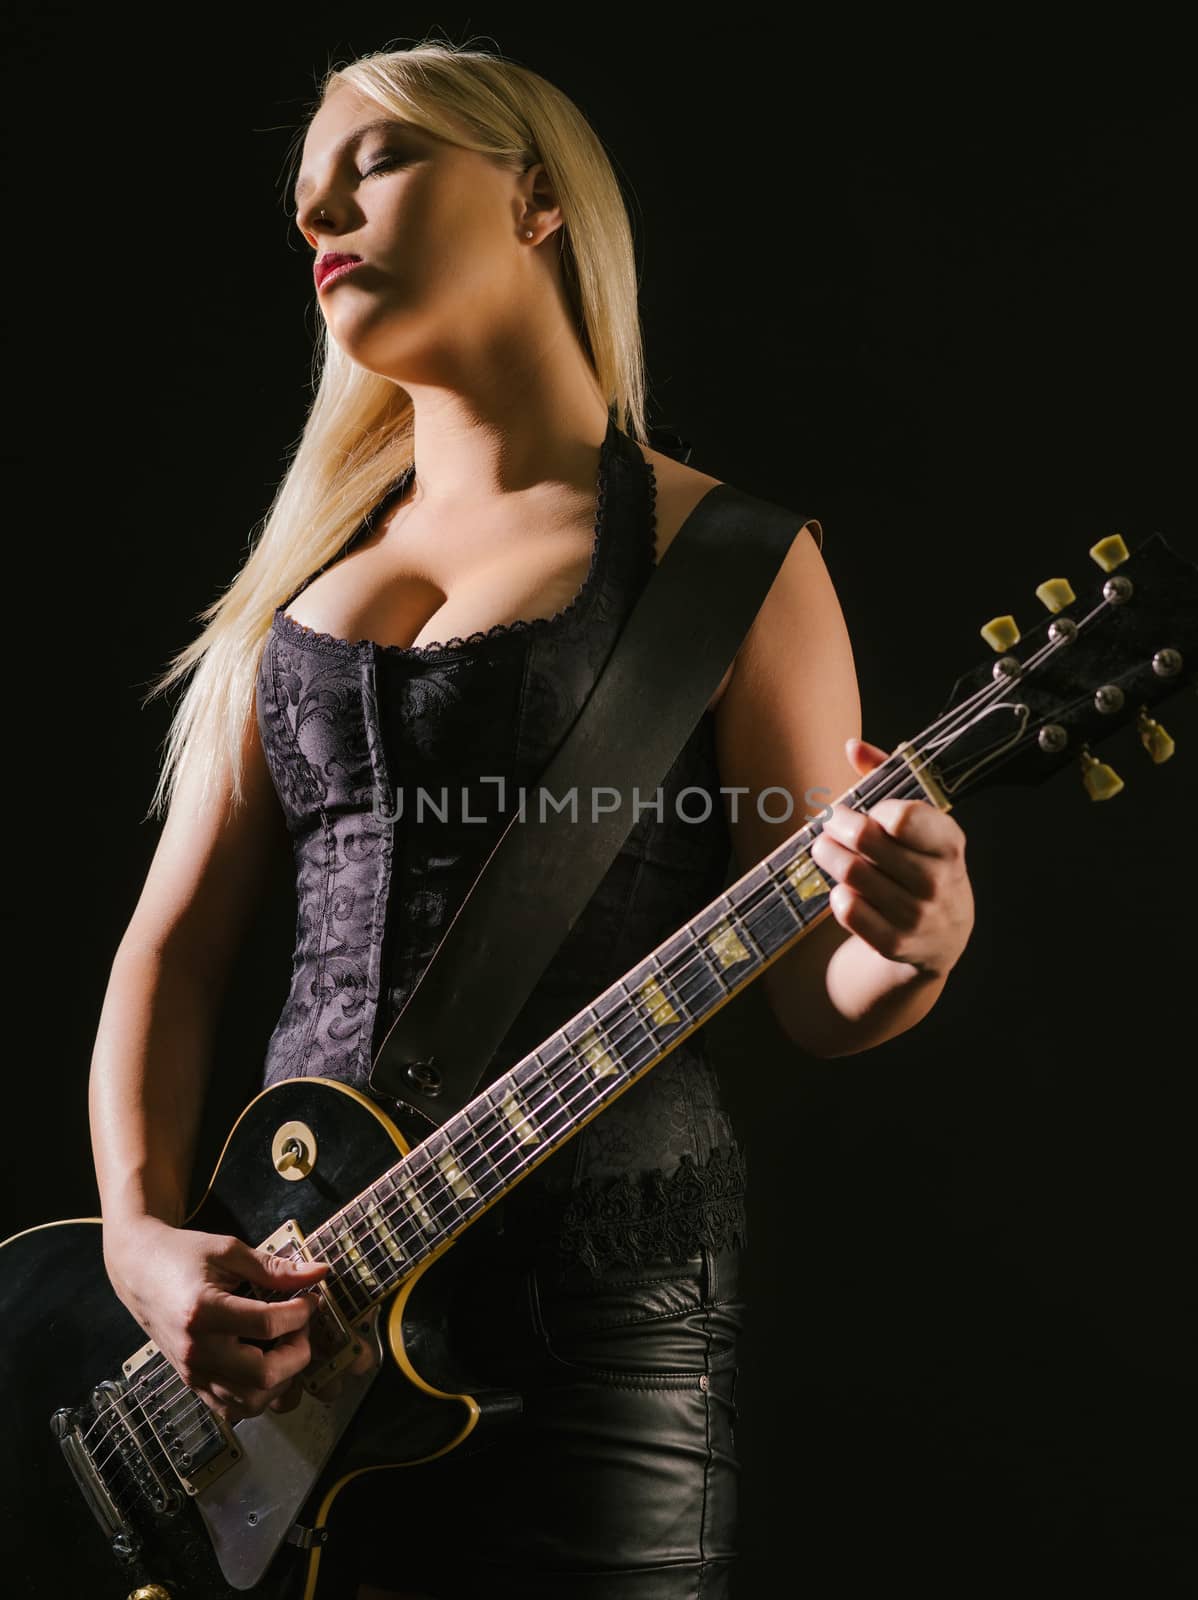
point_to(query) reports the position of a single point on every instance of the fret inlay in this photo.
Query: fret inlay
(457, 1180)
(515, 1113)
(361, 1266)
(418, 1206)
(385, 1232)
(661, 1012)
(806, 878)
(596, 1057)
(725, 944)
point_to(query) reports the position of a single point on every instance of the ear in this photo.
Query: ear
(540, 199)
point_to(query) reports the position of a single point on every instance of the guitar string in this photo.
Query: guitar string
(412, 1235)
(411, 1238)
(475, 1129)
(469, 1136)
(864, 793)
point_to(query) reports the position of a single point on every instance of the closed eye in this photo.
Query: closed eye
(383, 164)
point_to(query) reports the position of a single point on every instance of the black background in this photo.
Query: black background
(931, 286)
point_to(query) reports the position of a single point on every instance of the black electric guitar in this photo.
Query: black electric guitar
(119, 1482)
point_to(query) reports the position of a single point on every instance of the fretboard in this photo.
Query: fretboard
(477, 1155)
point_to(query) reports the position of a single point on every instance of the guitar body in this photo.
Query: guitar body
(65, 1333)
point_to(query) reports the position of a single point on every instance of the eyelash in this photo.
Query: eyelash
(382, 164)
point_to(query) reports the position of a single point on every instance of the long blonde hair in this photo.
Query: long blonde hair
(358, 436)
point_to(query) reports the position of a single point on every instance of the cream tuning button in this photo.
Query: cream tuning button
(1101, 782)
(1153, 737)
(1109, 553)
(1055, 593)
(1000, 633)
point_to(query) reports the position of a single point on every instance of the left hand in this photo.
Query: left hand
(901, 883)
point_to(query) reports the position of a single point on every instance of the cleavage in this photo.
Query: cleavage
(389, 595)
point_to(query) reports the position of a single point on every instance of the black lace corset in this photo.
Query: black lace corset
(397, 768)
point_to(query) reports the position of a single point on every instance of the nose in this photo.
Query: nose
(314, 222)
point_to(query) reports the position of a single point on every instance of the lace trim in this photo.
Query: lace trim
(641, 1216)
(520, 625)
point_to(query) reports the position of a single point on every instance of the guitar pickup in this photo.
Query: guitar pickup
(199, 1445)
(333, 1341)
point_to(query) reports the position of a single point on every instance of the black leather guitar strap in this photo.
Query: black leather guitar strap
(664, 667)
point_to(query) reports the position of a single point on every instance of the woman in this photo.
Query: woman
(462, 532)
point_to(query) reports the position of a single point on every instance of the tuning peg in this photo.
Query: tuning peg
(1153, 737)
(1102, 782)
(1055, 593)
(1109, 552)
(1000, 633)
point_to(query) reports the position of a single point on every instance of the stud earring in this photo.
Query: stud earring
(528, 232)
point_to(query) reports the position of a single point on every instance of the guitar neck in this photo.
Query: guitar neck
(478, 1155)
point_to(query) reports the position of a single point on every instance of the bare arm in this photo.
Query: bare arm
(150, 1067)
(902, 909)
(150, 1063)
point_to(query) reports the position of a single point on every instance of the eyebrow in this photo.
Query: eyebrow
(380, 123)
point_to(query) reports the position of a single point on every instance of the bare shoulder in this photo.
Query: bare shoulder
(679, 490)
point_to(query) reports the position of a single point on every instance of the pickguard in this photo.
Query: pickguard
(250, 1509)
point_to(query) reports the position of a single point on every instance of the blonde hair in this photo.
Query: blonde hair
(358, 436)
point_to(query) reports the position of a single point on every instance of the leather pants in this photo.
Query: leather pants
(619, 1481)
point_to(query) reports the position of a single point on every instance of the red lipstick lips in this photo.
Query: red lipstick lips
(333, 265)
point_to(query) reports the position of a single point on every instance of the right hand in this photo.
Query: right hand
(179, 1284)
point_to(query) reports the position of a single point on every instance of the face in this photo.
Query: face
(439, 229)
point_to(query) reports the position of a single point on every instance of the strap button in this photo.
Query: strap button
(424, 1075)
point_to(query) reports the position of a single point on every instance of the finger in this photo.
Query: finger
(919, 825)
(244, 1366)
(254, 1319)
(856, 914)
(866, 836)
(900, 908)
(226, 1405)
(265, 1270)
(289, 1399)
(865, 757)
(235, 1403)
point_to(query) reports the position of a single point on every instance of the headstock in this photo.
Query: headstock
(1099, 661)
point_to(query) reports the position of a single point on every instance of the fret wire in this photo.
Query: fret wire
(541, 1090)
(549, 1079)
(472, 1150)
(495, 1128)
(548, 1085)
(770, 871)
(776, 864)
